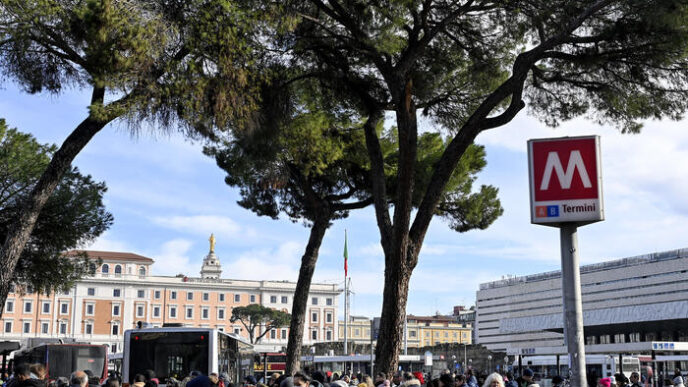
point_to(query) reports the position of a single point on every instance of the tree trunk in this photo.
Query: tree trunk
(401, 255)
(20, 231)
(298, 311)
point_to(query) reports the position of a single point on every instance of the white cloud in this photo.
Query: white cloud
(106, 243)
(222, 226)
(173, 258)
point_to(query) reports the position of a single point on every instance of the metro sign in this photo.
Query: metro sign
(565, 180)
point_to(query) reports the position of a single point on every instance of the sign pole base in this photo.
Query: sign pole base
(573, 305)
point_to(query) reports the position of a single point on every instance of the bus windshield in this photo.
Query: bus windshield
(63, 359)
(169, 354)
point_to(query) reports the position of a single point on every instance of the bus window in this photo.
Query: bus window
(168, 354)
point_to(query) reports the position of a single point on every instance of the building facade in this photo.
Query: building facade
(421, 331)
(627, 304)
(122, 292)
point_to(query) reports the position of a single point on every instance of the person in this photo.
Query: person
(526, 379)
(301, 380)
(460, 380)
(604, 382)
(250, 380)
(38, 371)
(557, 381)
(199, 381)
(511, 380)
(494, 380)
(635, 380)
(23, 374)
(620, 380)
(471, 381)
(139, 380)
(446, 380)
(410, 380)
(111, 383)
(78, 379)
(678, 378)
(396, 379)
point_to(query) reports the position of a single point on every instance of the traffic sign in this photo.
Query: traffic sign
(565, 180)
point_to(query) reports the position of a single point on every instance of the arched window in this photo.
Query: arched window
(118, 269)
(105, 269)
(142, 270)
(92, 268)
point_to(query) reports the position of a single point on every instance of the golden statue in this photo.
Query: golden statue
(212, 243)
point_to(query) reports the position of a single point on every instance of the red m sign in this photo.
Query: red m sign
(565, 169)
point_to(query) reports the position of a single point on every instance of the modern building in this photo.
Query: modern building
(421, 331)
(122, 291)
(629, 305)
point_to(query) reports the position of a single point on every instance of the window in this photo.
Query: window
(156, 294)
(221, 297)
(116, 292)
(173, 312)
(140, 311)
(328, 317)
(45, 328)
(141, 294)
(115, 310)
(28, 306)
(9, 306)
(412, 333)
(357, 332)
(29, 289)
(427, 334)
(173, 295)
(118, 270)
(65, 292)
(115, 329)
(142, 271)
(189, 312)
(189, 296)
(237, 331)
(91, 291)
(446, 334)
(253, 298)
(8, 326)
(314, 335)
(204, 313)
(90, 309)
(113, 347)
(314, 317)
(105, 269)
(206, 296)
(314, 301)
(284, 334)
(285, 299)
(88, 328)
(273, 299)
(273, 334)
(237, 298)
(11, 288)
(64, 308)
(220, 314)
(63, 328)
(328, 335)
(328, 301)
(156, 311)
(26, 327)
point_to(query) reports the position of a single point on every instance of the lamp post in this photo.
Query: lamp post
(489, 363)
(454, 363)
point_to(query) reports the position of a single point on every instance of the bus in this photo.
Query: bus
(596, 366)
(172, 353)
(275, 362)
(61, 360)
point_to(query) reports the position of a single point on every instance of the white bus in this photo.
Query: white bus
(172, 353)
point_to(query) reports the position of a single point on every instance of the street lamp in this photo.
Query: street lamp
(489, 363)
(454, 361)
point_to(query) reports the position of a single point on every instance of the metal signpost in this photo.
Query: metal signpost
(566, 192)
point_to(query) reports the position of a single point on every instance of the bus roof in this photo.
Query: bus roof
(187, 329)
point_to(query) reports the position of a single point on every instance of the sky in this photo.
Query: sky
(167, 198)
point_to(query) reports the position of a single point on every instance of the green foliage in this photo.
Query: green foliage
(254, 315)
(74, 214)
(171, 62)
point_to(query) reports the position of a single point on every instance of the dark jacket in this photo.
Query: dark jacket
(32, 383)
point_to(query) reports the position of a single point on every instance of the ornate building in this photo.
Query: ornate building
(123, 292)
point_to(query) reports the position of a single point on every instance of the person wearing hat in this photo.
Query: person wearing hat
(526, 379)
(604, 382)
(199, 381)
(250, 380)
(557, 381)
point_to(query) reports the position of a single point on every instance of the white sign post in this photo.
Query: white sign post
(566, 192)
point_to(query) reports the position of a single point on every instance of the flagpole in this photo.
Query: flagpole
(346, 301)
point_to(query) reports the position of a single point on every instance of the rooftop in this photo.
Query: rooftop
(111, 256)
(618, 263)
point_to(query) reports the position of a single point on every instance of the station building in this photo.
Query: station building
(636, 305)
(122, 292)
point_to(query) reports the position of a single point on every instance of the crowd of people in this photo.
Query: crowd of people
(35, 375)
